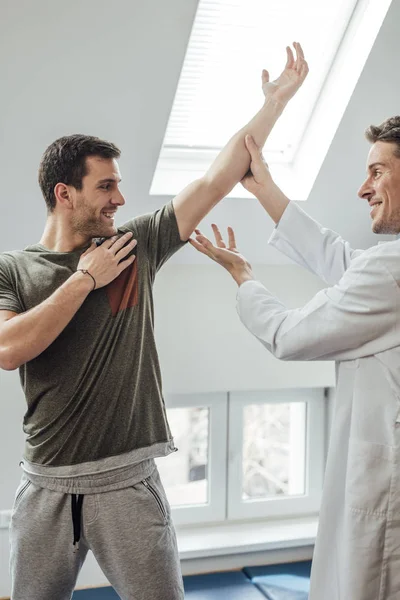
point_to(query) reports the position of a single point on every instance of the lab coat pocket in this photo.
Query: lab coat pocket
(368, 477)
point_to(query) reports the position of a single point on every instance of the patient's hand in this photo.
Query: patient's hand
(289, 81)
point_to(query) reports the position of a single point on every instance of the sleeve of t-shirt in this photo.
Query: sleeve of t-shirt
(8, 293)
(159, 233)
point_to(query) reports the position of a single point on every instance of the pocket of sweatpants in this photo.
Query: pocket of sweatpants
(21, 491)
(152, 490)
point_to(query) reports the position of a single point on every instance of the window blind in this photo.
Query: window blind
(231, 42)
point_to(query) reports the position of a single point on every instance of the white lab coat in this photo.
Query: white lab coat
(356, 322)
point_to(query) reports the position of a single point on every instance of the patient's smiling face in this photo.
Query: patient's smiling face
(382, 187)
(97, 202)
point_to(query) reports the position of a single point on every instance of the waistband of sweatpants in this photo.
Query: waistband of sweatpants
(104, 475)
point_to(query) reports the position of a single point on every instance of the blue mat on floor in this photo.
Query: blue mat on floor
(302, 569)
(103, 593)
(274, 582)
(282, 590)
(211, 586)
(220, 586)
(282, 582)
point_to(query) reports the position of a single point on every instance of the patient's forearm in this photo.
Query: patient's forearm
(233, 161)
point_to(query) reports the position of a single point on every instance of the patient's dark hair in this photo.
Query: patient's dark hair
(64, 161)
(388, 131)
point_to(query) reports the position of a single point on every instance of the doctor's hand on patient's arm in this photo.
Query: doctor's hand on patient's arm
(228, 256)
(258, 181)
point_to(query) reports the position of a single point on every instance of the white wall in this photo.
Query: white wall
(204, 347)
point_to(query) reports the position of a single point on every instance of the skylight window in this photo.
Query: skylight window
(220, 84)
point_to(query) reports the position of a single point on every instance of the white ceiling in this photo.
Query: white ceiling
(111, 69)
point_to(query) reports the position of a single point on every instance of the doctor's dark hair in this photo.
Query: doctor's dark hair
(64, 161)
(388, 131)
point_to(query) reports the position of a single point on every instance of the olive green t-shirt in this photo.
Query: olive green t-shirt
(95, 392)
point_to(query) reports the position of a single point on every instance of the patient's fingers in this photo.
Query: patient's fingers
(290, 58)
(299, 50)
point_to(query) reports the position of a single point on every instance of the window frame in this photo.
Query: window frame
(279, 507)
(215, 509)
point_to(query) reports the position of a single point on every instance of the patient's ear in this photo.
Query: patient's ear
(63, 195)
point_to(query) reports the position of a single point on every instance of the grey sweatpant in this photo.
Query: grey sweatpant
(128, 530)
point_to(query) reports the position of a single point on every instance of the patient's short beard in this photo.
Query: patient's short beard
(88, 223)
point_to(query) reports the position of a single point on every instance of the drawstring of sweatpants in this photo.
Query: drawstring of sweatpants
(76, 509)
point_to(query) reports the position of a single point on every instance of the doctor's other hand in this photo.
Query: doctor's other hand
(228, 256)
(258, 178)
(289, 81)
(258, 181)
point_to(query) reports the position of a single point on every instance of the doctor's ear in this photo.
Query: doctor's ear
(63, 195)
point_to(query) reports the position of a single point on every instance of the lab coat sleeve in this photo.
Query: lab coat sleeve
(358, 317)
(319, 250)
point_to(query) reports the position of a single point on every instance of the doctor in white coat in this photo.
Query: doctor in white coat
(356, 322)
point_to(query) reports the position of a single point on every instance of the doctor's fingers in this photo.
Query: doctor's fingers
(201, 247)
(255, 152)
(218, 236)
(231, 238)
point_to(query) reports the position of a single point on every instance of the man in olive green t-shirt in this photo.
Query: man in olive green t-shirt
(76, 317)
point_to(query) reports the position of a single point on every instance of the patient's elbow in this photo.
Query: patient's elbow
(7, 361)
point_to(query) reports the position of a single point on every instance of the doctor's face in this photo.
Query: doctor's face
(382, 187)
